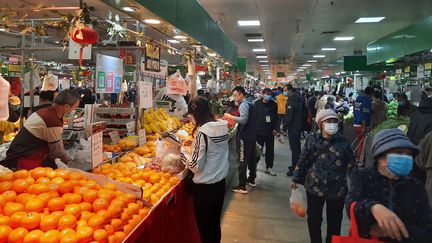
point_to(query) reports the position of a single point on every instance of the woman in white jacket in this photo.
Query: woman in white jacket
(207, 158)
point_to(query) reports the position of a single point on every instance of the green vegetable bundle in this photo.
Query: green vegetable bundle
(392, 110)
(391, 123)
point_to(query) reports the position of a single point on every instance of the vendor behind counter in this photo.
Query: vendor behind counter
(40, 139)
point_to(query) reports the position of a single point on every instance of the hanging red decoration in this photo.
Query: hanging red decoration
(84, 36)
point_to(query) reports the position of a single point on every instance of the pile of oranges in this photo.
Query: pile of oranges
(112, 148)
(46, 205)
(155, 184)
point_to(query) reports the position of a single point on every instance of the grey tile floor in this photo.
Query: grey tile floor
(264, 215)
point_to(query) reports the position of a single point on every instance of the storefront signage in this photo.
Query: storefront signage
(96, 149)
(428, 66)
(142, 139)
(152, 58)
(163, 72)
(14, 68)
(398, 71)
(145, 94)
(176, 84)
(407, 69)
(109, 74)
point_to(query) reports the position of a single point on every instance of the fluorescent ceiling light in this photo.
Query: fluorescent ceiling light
(249, 23)
(343, 38)
(265, 61)
(307, 65)
(255, 40)
(328, 49)
(259, 50)
(152, 21)
(261, 57)
(226, 63)
(369, 20)
(129, 9)
(57, 42)
(174, 41)
(312, 61)
(211, 54)
(318, 56)
(180, 37)
(264, 65)
(302, 67)
(269, 77)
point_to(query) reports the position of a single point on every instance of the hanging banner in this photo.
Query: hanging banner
(162, 74)
(109, 74)
(176, 84)
(145, 90)
(96, 149)
(152, 58)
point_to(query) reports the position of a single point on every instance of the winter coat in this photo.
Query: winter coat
(295, 112)
(281, 101)
(323, 166)
(406, 109)
(265, 111)
(379, 112)
(424, 162)
(421, 121)
(362, 110)
(406, 197)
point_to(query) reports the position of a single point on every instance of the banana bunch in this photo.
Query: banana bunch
(8, 127)
(158, 120)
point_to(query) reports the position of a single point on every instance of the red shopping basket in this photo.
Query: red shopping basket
(354, 235)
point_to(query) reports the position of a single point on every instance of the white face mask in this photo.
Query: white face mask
(331, 128)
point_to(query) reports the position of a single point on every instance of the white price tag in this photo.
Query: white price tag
(115, 136)
(96, 149)
(131, 128)
(268, 119)
(142, 137)
(145, 94)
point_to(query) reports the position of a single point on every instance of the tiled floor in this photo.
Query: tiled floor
(264, 215)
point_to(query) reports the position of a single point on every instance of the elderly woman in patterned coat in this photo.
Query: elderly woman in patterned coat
(391, 205)
(324, 163)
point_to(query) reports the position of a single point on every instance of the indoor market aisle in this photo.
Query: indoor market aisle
(264, 215)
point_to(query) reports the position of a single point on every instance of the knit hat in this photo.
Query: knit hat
(325, 114)
(388, 139)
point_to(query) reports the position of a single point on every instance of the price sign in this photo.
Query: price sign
(96, 149)
(115, 136)
(142, 139)
(145, 94)
(131, 128)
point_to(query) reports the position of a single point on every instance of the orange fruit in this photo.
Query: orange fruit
(45, 197)
(127, 229)
(154, 199)
(38, 188)
(5, 185)
(11, 208)
(104, 213)
(58, 180)
(33, 236)
(80, 190)
(34, 205)
(120, 236)
(115, 210)
(43, 180)
(73, 209)
(124, 217)
(116, 224)
(90, 196)
(110, 186)
(62, 173)
(21, 174)
(154, 178)
(84, 233)
(106, 194)
(67, 231)
(96, 221)
(81, 223)
(56, 204)
(4, 220)
(66, 187)
(53, 187)
(2, 201)
(85, 206)
(58, 214)
(15, 219)
(67, 221)
(100, 204)
(49, 222)
(5, 231)
(109, 229)
(118, 202)
(6, 176)
(51, 236)
(31, 220)
(132, 209)
(76, 176)
(38, 172)
(85, 215)
(91, 184)
(51, 174)
(173, 181)
(144, 211)
(9, 196)
(19, 185)
(69, 238)
(100, 235)
(23, 198)
(18, 235)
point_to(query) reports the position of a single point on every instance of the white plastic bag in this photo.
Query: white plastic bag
(168, 155)
(298, 202)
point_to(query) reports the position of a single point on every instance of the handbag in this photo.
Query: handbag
(354, 235)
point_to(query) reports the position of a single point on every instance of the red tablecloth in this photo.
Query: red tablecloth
(173, 220)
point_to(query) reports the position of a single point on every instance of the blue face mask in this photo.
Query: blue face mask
(400, 165)
(267, 97)
(285, 93)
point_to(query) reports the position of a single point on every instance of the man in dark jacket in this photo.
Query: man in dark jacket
(405, 107)
(294, 119)
(312, 111)
(267, 120)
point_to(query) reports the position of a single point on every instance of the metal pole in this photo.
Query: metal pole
(33, 43)
(23, 40)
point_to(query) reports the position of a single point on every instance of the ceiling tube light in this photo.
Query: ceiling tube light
(343, 38)
(369, 20)
(264, 61)
(318, 56)
(174, 41)
(180, 37)
(264, 65)
(211, 54)
(307, 65)
(255, 40)
(129, 9)
(249, 23)
(259, 50)
(152, 21)
(261, 57)
(312, 61)
(328, 49)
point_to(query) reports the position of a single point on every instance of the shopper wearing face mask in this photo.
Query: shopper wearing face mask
(390, 204)
(40, 140)
(266, 116)
(324, 163)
